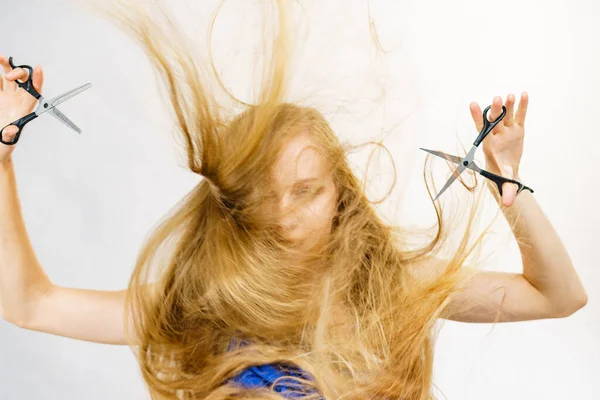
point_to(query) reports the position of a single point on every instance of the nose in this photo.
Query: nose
(287, 218)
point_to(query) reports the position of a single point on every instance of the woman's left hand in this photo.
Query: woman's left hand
(503, 146)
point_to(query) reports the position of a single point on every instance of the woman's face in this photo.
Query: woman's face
(306, 193)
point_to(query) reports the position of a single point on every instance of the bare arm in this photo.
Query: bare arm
(548, 287)
(30, 300)
(90, 315)
(27, 296)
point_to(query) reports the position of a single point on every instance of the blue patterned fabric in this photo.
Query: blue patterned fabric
(264, 376)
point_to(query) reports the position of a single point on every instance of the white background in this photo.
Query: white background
(89, 200)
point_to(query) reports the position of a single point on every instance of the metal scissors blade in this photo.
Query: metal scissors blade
(47, 105)
(449, 182)
(55, 112)
(454, 159)
(463, 163)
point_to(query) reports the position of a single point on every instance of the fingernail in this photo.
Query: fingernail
(9, 75)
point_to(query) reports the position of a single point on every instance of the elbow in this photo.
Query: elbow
(21, 311)
(570, 308)
(13, 319)
(13, 316)
(581, 302)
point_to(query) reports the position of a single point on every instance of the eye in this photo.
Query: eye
(303, 191)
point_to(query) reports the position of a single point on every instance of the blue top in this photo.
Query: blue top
(264, 376)
(259, 376)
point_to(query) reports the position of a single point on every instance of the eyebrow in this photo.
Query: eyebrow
(305, 180)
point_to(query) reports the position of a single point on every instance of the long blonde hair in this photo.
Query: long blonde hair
(361, 325)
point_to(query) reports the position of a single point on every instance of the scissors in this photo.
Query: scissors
(467, 161)
(43, 105)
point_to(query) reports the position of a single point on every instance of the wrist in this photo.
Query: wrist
(6, 164)
(506, 172)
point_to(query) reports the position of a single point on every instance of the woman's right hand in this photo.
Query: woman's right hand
(15, 102)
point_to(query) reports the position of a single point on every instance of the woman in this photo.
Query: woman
(275, 276)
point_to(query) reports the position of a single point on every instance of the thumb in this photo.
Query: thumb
(509, 194)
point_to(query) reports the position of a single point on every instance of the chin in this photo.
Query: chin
(304, 240)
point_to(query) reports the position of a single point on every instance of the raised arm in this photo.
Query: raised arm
(549, 286)
(27, 296)
(30, 300)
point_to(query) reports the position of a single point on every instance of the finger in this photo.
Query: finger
(38, 78)
(477, 116)
(8, 85)
(509, 119)
(509, 194)
(494, 113)
(9, 133)
(522, 110)
(17, 74)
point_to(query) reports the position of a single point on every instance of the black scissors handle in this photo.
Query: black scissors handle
(26, 85)
(487, 125)
(19, 124)
(500, 180)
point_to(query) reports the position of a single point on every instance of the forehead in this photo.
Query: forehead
(300, 158)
